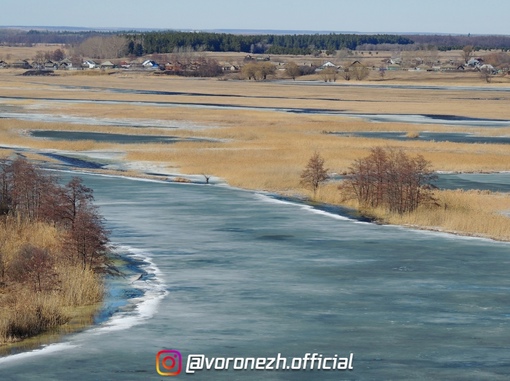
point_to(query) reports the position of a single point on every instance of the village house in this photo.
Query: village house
(106, 65)
(89, 64)
(21, 64)
(326, 65)
(50, 65)
(150, 64)
(65, 64)
(229, 68)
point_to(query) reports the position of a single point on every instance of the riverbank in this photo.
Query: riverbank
(469, 212)
(456, 212)
(37, 297)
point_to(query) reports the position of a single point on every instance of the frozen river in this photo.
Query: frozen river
(239, 274)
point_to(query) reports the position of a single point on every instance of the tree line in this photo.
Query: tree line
(457, 42)
(141, 43)
(32, 37)
(28, 194)
(166, 42)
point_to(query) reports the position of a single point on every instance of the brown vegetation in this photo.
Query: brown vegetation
(268, 149)
(314, 173)
(53, 248)
(258, 70)
(388, 178)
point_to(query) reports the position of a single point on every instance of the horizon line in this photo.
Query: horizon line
(228, 30)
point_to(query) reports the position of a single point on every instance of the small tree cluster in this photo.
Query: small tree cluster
(359, 72)
(102, 47)
(41, 56)
(329, 74)
(203, 67)
(314, 173)
(29, 194)
(391, 179)
(292, 70)
(258, 70)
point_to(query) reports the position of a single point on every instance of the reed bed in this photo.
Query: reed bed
(25, 312)
(264, 149)
(461, 212)
(337, 96)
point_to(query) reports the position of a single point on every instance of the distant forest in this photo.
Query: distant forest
(140, 43)
(448, 42)
(167, 42)
(31, 37)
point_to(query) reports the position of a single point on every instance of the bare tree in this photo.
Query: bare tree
(102, 47)
(264, 69)
(314, 173)
(346, 74)
(183, 56)
(329, 74)
(33, 265)
(39, 57)
(258, 70)
(467, 51)
(359, 71)
(292, 70)
(343, 54)
(58, 55)
(391, 179)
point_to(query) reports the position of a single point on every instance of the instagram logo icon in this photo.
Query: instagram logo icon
(169, 362)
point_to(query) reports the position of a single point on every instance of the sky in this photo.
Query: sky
(363, 16)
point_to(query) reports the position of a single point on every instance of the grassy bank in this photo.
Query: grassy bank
(35, 301)
(472, 213)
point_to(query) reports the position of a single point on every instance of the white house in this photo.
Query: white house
(149, 64)
(89, 64)
(328, 64)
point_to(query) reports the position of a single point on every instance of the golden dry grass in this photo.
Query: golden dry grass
(339, 96)
(475, 213)
(264, 149)
(25, 313)
(14, 53)
(413, 135)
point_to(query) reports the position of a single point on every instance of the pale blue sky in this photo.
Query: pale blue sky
(424, 16)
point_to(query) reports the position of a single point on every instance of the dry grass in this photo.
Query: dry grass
(338, 96)
(462, 212)
(31, 314)
(25, 312)
(14, 53)
(267, 150)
